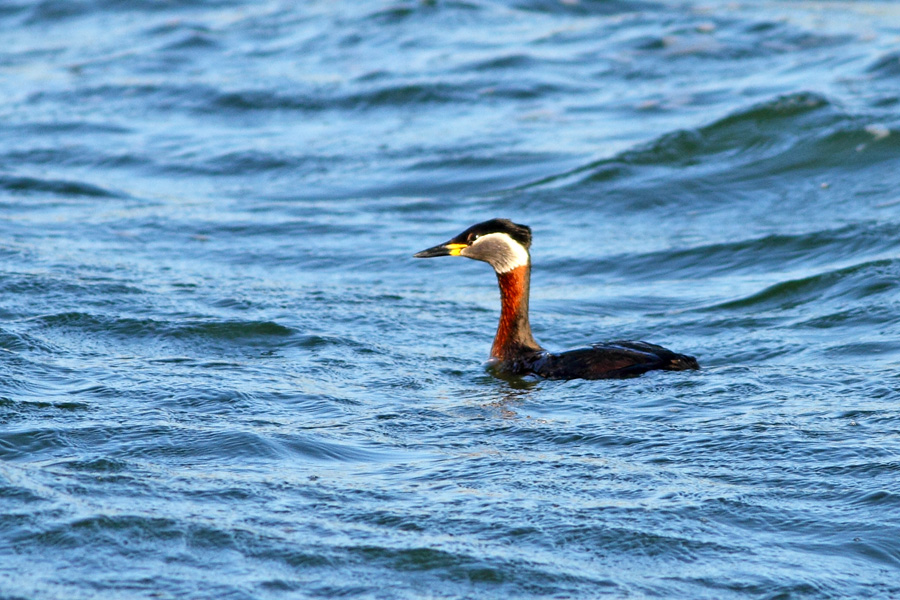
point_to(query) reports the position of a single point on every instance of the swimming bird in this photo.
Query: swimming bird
(505, 246)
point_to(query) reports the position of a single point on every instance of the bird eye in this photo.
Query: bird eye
(471, 238)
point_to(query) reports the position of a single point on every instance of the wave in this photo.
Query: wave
(585, 7)
(886, 67)
(51, 127)
(182, 329)
(753, 256)
(50, 11)
(397, 94)
(21, 342)
(730, 39)
(60, 187)
(860, 282)
(803, 131)
(372, 90)
(15, 444)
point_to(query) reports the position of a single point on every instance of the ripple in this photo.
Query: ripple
(44, 285)
(28, 443)
(85, 127)
(104, 530)
(315, 447)
(17, 342)
(728, 40)
(887, 66)
(30, 185)
(193, 40)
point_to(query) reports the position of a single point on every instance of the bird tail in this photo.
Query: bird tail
(681, 362)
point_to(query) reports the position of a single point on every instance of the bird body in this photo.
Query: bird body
(505, 246)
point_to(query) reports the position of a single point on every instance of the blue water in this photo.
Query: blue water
(223, 375)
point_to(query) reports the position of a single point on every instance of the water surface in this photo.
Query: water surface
(222, 373)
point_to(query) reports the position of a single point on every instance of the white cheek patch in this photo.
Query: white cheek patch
(501, 251)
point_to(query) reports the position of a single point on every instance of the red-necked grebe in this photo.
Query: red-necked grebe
(504, 245)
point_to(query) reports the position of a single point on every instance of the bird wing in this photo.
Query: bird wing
(609, 360)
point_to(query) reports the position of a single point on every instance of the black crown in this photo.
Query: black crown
(520, 233)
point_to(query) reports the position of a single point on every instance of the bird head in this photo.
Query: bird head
(499, 242)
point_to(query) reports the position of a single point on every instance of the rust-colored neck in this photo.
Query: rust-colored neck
(514, 332)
